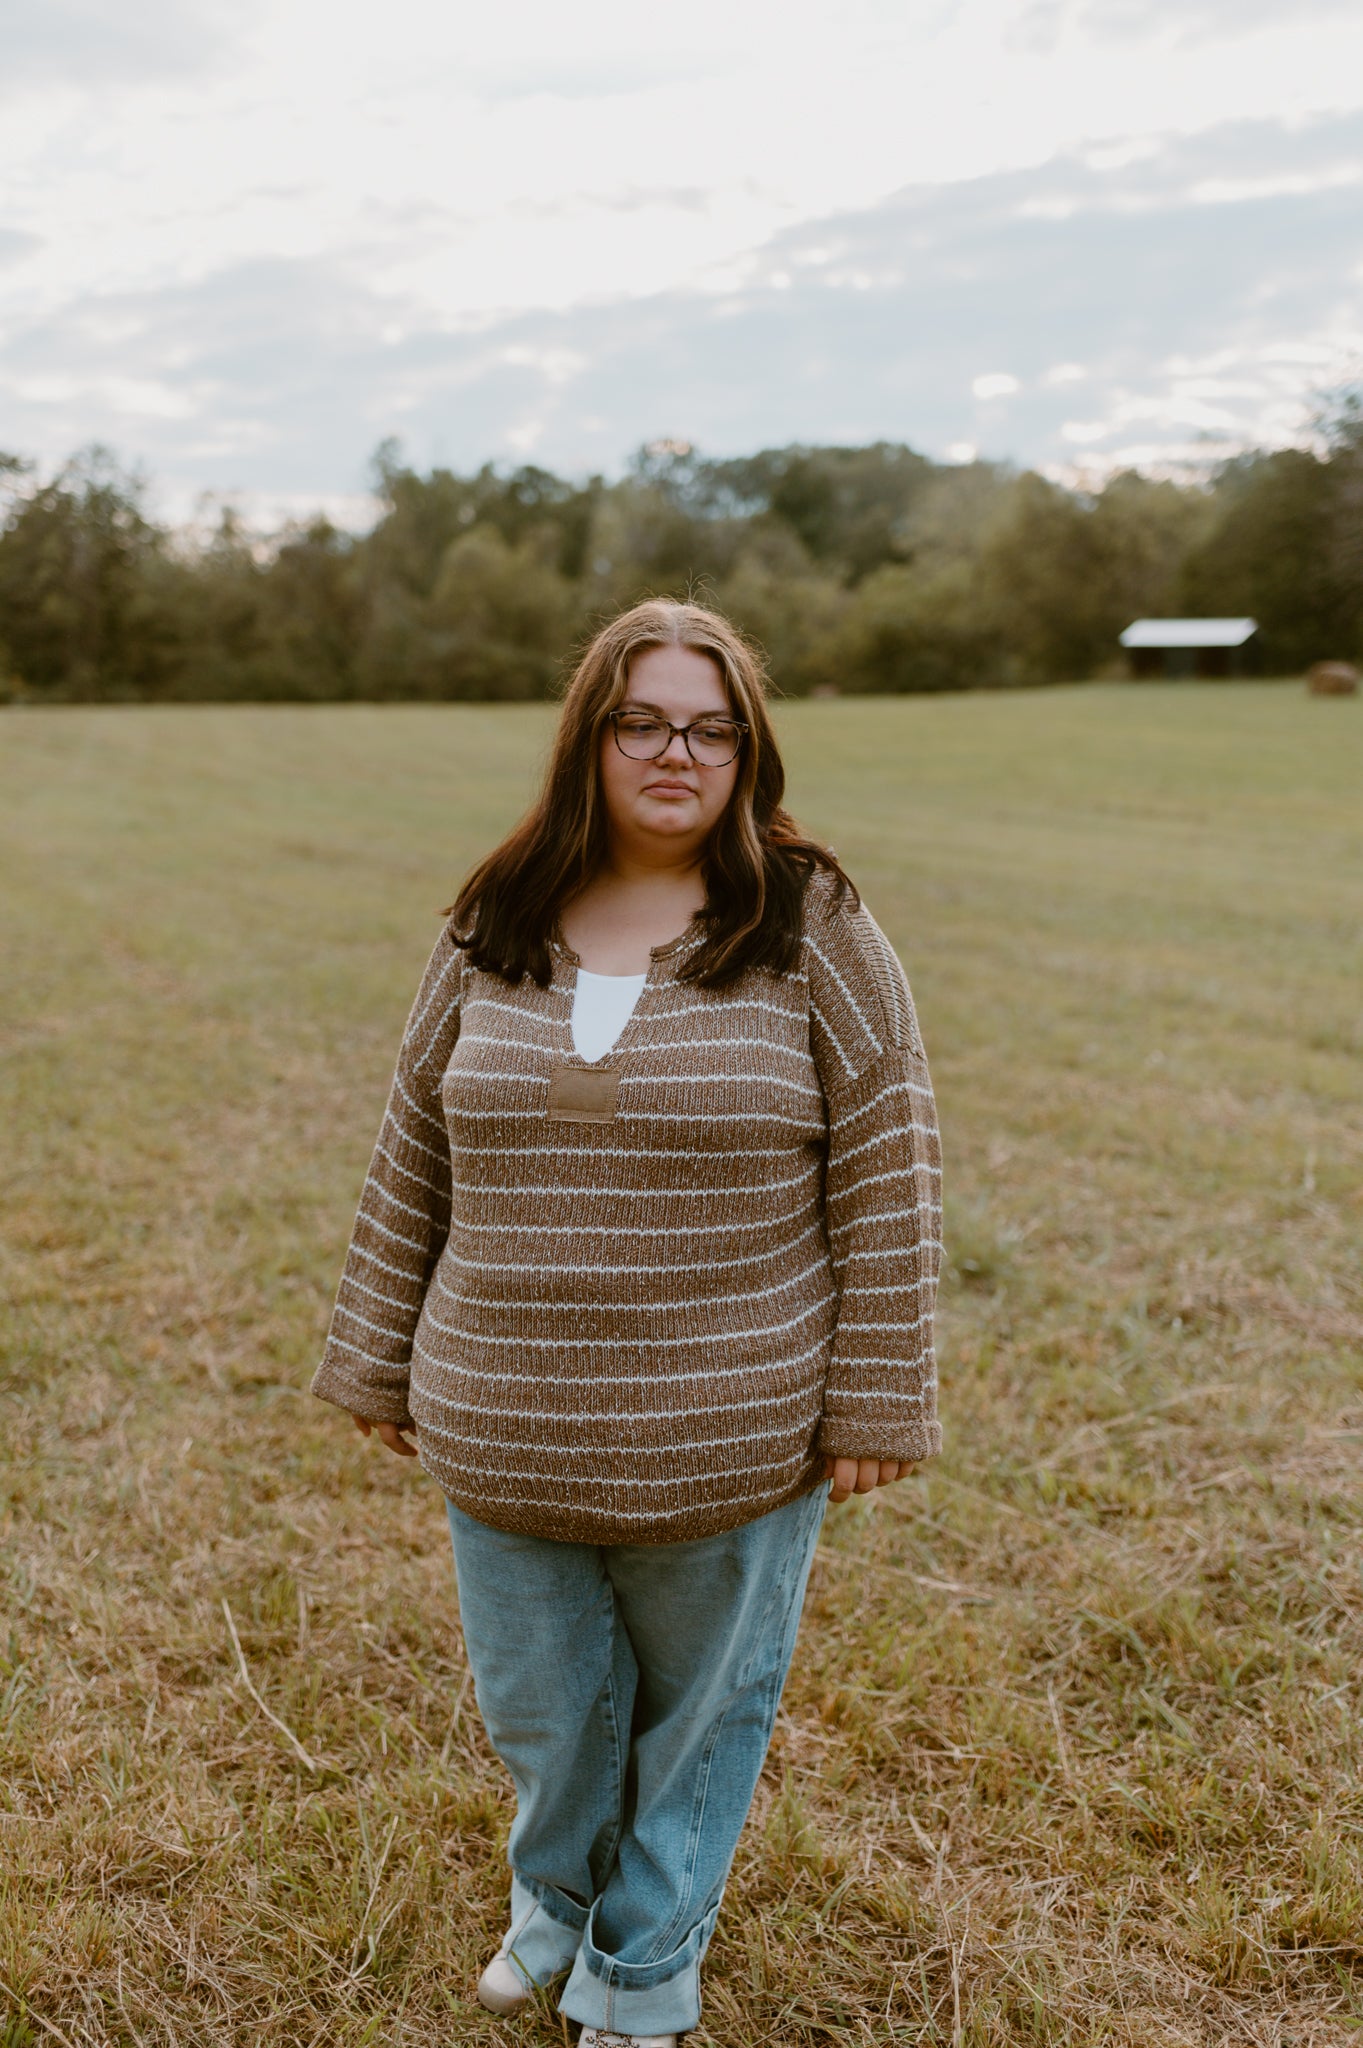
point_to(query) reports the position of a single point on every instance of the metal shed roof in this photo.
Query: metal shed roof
(1189, 632)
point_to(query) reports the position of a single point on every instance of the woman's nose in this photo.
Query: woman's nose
(676, 751)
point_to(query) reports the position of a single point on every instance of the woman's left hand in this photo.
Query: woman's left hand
(864, 1475)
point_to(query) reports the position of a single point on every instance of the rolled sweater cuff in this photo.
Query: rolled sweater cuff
(866, 1436)
(375, 1404)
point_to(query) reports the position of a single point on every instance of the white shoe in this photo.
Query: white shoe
(501, 1988)
(593, 2037)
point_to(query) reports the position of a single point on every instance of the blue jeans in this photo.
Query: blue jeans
(630, 1690)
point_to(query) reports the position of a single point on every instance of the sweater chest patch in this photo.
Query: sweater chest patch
(583, 1095)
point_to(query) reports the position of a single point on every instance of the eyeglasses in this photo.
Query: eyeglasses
(711, 742)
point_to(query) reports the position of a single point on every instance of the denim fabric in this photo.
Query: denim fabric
(630, 1690)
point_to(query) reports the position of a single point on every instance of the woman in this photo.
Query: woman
(646, 1256)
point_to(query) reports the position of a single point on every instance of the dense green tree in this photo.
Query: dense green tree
(789, 605)
(78, 556)
(1062, 574)
(908, 630)
(850, 507)
(1344, 435)
(857, 568)
(1272, 554)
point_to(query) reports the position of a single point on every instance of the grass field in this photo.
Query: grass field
(1072, 1751)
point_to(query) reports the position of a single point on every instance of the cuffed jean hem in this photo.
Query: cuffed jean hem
(538, 1944)
(638, 1998)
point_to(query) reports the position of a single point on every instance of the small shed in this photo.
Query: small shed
(1190, 647)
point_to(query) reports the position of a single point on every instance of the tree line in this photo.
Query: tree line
(865, 569)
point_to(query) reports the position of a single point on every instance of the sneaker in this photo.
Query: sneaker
(501, 1988)
(593, 2037)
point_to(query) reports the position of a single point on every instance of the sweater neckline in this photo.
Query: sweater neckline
(684, 938)
(567, 965)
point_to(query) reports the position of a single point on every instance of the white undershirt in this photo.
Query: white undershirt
(602, 1006)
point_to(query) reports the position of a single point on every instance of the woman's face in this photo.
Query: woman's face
(670, 802)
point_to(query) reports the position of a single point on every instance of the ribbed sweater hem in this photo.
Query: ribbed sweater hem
(557, 1523)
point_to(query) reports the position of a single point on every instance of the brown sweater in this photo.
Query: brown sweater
(640, 1301)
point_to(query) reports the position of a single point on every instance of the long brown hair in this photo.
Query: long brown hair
(757, 863)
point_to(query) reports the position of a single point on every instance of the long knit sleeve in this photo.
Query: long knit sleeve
(404, 1215)
(882, 1192)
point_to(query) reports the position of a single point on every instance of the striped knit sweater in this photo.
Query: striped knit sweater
(640, 1301)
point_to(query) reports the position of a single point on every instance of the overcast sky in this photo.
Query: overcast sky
(241, 243)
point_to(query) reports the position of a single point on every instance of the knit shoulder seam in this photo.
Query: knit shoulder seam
(837, 924)
(867, 1077)
(426, 1030)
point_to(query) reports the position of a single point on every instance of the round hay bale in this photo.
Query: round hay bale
(1333, 679)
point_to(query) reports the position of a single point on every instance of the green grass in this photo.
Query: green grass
(1072, 1751)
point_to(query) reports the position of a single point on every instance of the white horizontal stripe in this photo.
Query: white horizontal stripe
(422, 1215)
(456, 1368)
(857, 1010)
(663, 1113)
(871, 1180)
(756, 1046)
(522, 1076)
(887, 1216)
(529, 1306)
(832, 1038)
(894, 1130)
(433, 1121)
(665, 1046)
(357, 1251)
(615, 1193)
(890, 1329)
(881, 1137)
(499, 1039)
(584, 1150)
(836, 1391)
(560, 1500)
(708, 1338)
(454, 965)
(859, 1287)
(718, 1116)
(370, 1357)
(791, 1461)
(381, 1329)
(524, 1227)
(396, 1235)
(872, 1252)
(773, 1399)
(734, 1006)
(440, 1157)
(436, 1031)
(486, 1001)
(436, 1187)
(349, 1280)
(674, 1267)
(708, 1078)
(628, 1451)
(884, 1397)
(896, 1087)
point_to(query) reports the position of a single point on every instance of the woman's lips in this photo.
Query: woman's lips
(669, 788)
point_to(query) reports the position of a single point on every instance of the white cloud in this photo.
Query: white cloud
(402, 203)
(89, 42)
(994, 384)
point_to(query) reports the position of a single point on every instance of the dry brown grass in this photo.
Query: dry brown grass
(1072, 1748)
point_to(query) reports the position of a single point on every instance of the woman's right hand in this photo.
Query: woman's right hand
(864, 1475)
(389, 1434)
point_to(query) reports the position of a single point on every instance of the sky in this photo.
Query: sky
(241, 244)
